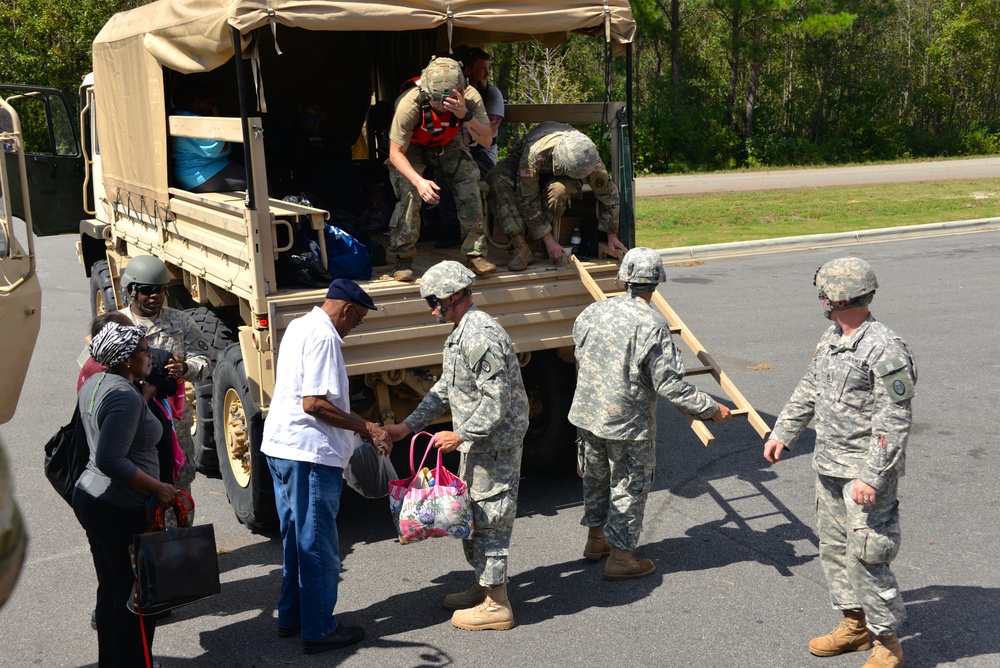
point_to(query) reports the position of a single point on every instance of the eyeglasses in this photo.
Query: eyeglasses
(357, 314)
(147, 290)
(433, 302)
(147, 350)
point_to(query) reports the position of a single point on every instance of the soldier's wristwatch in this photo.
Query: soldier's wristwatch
(467, 117)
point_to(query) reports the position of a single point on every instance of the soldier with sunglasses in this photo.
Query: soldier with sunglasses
(145, 281)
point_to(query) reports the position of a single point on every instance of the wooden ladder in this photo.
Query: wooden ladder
(709, 365)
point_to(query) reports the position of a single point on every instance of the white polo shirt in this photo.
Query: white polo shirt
(309, 364)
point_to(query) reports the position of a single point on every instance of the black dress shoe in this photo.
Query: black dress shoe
(342, 637)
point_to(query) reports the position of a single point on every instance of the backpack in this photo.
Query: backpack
(67, 453)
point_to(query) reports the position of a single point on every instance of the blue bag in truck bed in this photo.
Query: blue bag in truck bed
(346, 256)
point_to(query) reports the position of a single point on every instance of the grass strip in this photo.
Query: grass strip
(692, 220)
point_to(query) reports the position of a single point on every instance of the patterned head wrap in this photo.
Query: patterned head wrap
(114, 343)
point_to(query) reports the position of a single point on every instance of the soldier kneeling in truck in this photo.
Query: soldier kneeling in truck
(530, 189)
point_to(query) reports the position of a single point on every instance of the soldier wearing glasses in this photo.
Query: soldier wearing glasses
(145, 280)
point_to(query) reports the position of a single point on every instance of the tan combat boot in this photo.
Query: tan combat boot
(469, 598)
(887, 653)
(849, 636)
(521, 255)
(621, 565)
(403, 271)
(493, 613)
(480, 266)
(597, 545)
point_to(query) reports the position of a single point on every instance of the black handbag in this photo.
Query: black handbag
(174, 567)
(66, 456)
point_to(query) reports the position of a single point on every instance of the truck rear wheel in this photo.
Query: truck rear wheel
(219, 325)
(550, 443)
(239, 430)
(102, 289)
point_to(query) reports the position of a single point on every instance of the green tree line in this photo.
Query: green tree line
(718, 83)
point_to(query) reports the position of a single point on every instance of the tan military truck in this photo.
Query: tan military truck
(301, 102)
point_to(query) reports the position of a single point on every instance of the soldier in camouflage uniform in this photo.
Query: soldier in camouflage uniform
(145, 280)
(858, 389)
(625, 358)
(427, 130)
(531, 188)
(481, 384)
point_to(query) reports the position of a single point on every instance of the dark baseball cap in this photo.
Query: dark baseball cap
(349, 291)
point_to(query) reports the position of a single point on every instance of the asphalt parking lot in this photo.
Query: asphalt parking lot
(738, 580)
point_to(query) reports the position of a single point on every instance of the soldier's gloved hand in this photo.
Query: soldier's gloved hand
(447, 441)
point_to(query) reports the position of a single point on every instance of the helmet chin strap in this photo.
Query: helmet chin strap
(134, 294)
(443, 309)
(829, 308)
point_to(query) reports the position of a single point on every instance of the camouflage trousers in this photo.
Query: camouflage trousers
(461, 174)
(559, 190)
(856, 546)
(617, 479)
(493, 479)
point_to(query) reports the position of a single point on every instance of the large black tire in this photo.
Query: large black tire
(550, 444)
(102, 289)
(220, 327)
(238, 436)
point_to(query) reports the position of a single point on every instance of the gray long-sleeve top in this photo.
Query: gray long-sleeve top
(122, 434)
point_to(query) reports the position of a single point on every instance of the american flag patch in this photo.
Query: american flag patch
(526, 173)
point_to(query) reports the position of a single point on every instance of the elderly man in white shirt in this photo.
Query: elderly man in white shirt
(308, 442)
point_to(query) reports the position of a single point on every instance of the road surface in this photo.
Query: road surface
(820, 177)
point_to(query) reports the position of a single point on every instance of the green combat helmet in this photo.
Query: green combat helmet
(641, 270)
(442, 281)
(440, 76)
(846, 279)
(574, 156)
(144, 270)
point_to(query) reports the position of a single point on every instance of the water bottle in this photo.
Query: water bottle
(576, 240)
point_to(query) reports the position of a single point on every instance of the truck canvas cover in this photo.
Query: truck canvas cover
(192, 36)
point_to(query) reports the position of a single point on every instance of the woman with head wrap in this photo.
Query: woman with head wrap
(121, 479)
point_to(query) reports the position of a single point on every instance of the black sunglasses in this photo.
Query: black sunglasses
(147, 290)
(433, 302)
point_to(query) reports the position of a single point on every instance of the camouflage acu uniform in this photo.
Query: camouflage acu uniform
(456, 165)
(625, 358)
(481, 384)
(858, 392)
(177, 332)
(516, 184)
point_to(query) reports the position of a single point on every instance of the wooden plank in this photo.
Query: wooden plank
(580, 113)
(224, 128)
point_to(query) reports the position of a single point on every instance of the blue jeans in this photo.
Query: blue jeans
(307, 497)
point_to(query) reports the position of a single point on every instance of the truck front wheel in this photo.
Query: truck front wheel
(239, 430)
(102, 289)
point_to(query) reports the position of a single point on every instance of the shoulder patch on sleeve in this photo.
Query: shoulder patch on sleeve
(526, 173)
(897, 381)
(489, 366)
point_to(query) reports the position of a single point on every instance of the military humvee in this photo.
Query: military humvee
(306, 102)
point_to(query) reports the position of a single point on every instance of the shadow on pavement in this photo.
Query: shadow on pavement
(948, 623)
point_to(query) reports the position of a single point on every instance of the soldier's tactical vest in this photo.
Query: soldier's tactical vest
(436, 129)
